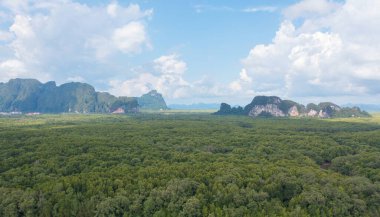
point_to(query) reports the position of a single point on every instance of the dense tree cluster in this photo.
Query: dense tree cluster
(188, 165)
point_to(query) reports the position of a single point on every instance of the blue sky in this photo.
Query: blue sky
(198, 51)
(212, 36)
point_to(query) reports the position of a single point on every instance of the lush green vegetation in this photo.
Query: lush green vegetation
(188, 165)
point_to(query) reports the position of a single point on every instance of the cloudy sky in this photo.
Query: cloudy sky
(198, 50)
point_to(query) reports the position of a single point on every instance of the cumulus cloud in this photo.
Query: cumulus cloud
(15, 69)
(332, 51)
(168, 77)
(63, 38)
(130, 37)
(243, 83)
(170, 65)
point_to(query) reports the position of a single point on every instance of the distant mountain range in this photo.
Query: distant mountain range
(367, 107)
(30, 95)
(273, 106)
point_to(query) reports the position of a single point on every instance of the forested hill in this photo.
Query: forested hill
(30, 95)
(273, 106)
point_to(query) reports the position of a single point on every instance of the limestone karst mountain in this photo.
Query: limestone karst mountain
(30, 95)
(273, 106)
(152, 101)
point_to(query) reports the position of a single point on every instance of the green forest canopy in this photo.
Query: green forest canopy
(188, 165)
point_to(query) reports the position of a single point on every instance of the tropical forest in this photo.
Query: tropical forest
(197, 164)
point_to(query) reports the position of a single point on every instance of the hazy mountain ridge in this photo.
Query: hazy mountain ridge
(30, 95)
(273, 106)
(367, 107)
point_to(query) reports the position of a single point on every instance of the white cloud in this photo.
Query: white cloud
(203, 8)
(13, 68)
(168, 79)
(112, 9)
(130, 38)
(200, 8)
(310, 8)
(63, 38)
(334, 52)
(260, 9)
(133, 87)
(132, 12)
(170, 64)
(243, 83)
(16, 6)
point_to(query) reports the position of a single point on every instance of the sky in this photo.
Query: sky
(198, 50)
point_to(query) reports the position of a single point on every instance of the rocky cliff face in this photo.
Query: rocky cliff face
(322, 110)
(312, 113)
(273, 106)
(293, 111)
(266, 110)
(30, 95)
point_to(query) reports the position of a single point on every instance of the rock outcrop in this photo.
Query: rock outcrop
(30, 95)
(266, 110)
(226, 109)
(273, 106)
(152, 101)
(293, 111)
(312, 113)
